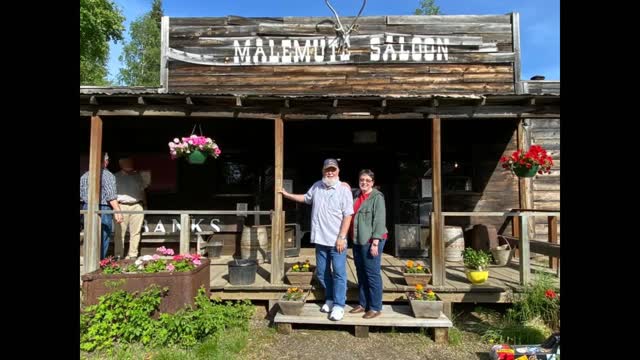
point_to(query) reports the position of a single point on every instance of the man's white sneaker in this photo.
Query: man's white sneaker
(337, 313)
(327, 307)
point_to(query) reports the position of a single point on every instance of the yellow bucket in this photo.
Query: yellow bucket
(477, 277)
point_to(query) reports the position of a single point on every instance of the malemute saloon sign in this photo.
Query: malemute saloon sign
(322, 51)
(385, 54)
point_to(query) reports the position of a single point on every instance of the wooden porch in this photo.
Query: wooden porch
(503, 281)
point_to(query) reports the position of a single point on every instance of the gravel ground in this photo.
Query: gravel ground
(336, 342)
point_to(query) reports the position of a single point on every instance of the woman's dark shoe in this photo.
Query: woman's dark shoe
(371, 314)
(357, 309)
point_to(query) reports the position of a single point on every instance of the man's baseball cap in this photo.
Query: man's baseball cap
(330, 163)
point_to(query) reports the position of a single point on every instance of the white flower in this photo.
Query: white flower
(176, 140)
(138, 262)
(147, 258)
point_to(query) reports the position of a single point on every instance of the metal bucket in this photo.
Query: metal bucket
(242, 272)
(502, 254)
(454, 243)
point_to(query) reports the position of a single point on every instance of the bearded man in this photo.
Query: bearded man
(331, 212)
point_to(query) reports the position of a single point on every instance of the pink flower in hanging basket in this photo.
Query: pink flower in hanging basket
(187, 145)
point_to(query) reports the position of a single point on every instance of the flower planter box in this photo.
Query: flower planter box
(183, 286)
(301, 277)
(291, 307)
(426, 309)
(413, 279)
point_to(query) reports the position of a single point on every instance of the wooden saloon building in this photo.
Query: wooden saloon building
(430, 103)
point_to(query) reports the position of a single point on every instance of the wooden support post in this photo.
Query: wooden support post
(92, 224)
(441, 335)
(283, 328)
(447, 308)
(185, 232)
(515, 232)
(277, 228)
(524, 184)
(525, 269)
(552, 221)
(437, 244)
(362, 331)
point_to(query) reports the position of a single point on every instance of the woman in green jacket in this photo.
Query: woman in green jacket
(369, 234)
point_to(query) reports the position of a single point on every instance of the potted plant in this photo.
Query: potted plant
(300, 273)
(194, 148)
(292, 302)
(183, 275)
(536, 160)
(416, 273)
(425, 303)
(476, 262)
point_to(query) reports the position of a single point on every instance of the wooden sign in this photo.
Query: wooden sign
(199, 223)
(381, 48)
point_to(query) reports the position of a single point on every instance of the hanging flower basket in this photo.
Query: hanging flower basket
(536, 160)
(197, 157)
(523, 171)
(196, 149)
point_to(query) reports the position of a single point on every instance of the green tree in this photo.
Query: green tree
(141, 55)
(101, 21)
(428, 7)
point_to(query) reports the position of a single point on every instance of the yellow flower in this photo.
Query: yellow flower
(419, 267)
(419, 287)
(296, 267)
(410, 264)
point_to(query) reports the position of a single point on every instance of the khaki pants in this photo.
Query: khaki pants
(134, 223)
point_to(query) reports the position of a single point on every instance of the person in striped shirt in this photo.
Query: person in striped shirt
(108, 201)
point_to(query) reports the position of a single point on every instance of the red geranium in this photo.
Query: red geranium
(536, 156)
(550, 294)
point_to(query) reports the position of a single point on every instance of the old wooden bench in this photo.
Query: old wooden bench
(392, 315)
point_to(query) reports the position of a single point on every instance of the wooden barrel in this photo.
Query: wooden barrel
(453, 243)
(254, 243)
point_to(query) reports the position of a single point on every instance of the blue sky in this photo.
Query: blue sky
(539, 20)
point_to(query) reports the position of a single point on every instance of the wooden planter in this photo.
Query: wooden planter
(292, 307)
(183, 286)
(418, 278)
(300, 278)
(426, 309)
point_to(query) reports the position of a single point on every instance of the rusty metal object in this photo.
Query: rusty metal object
(183, 286)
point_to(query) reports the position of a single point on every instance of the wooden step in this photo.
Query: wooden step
(392, 315)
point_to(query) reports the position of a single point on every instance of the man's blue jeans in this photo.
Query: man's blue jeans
(331, 270)
(107, 229)
(369, 278)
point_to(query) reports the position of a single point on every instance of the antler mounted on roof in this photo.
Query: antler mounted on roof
(342, 33)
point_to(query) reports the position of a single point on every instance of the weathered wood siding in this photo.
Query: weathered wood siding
(546, 188)
(479, 56)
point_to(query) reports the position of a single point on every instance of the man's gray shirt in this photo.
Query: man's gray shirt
(329, 206)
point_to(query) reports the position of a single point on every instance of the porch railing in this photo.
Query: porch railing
(92, 253)
(520, 221)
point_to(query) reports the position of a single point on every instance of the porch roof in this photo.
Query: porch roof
(140, 101)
